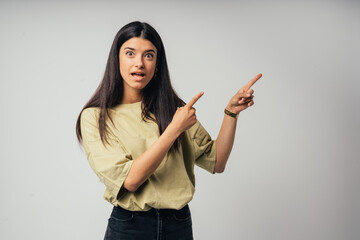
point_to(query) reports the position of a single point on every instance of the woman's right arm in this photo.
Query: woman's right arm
(146, 164)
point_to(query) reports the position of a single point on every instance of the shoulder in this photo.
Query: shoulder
(90, 111)
(90, 114)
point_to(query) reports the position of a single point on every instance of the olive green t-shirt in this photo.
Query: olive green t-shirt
(172, 185)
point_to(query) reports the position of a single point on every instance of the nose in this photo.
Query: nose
(139, 62)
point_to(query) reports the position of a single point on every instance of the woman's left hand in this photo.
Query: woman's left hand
(243, 98)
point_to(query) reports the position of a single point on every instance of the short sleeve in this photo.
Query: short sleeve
(111, 163)
(204, 148)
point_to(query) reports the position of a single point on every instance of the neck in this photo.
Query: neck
(131, 97)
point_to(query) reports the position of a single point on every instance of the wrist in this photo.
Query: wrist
(231, 113)
(173, 131)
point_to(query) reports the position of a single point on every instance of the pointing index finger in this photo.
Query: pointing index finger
(252, 81)
(194, 99)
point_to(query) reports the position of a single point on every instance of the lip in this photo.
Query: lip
(136, 77)
(138, 72)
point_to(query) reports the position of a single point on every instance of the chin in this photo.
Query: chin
(139, 86)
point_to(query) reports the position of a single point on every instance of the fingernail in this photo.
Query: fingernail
(248, 95)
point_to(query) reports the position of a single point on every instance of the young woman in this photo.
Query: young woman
(142, 140)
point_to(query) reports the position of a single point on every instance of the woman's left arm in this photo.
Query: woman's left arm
(225, 140)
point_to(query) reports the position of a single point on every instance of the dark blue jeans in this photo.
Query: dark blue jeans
(155, 224)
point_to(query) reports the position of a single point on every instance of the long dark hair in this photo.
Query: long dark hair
(158, 98)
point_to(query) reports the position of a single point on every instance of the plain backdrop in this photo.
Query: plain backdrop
(294, 169)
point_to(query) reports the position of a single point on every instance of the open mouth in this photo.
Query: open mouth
(138, 74)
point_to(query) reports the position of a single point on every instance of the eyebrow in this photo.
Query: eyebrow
(149, 50)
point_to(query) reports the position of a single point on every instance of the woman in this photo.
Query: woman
(142, 140)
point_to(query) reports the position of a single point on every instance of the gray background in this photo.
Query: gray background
(294, 170)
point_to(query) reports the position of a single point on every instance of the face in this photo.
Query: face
(137, 59)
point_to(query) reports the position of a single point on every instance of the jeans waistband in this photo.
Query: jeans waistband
(154, 211)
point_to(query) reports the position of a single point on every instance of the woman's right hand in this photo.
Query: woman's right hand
(185, 117)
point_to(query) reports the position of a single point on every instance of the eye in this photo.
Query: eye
(149, 55)
(129, 53)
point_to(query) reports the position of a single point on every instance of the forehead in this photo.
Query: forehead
(139, 44)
